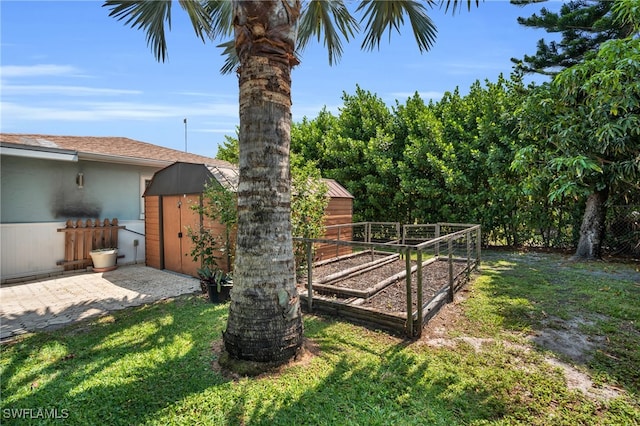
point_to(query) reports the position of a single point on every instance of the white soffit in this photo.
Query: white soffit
(44, 154)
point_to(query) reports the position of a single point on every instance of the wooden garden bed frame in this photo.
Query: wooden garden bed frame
(441, 242)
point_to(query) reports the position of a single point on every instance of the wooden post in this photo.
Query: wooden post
(114, 233)
(80, 249)
(106, 235)
(409, 295)
(309, 245)
(467, 235)
(88, 238)
(451, 290)
(96, 235)
(437, 236)
(419, 291)
(478, 244)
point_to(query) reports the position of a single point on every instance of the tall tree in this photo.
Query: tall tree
(589, 120)
(583, 25)
(264, 316)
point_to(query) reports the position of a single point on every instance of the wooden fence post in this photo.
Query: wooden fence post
(409, 295)
(419, 292)
(451, 289)
(478, 247)
(309, 245)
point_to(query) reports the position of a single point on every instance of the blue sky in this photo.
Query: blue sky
(69, 69)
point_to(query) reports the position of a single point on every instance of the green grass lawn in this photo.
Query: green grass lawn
(154, 364)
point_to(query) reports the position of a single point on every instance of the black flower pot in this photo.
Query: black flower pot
(216, 296)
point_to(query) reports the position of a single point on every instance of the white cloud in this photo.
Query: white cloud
(38, 70)
(108, 111)
(209, 95)
(64, 90)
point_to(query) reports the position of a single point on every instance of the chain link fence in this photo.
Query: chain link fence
(623, 231)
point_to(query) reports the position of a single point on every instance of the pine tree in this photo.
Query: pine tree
(583, 24)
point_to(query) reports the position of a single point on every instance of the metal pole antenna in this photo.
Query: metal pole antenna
(185, 135)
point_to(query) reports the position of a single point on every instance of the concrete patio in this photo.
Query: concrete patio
(58, 301)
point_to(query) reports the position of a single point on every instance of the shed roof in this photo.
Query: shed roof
(107, 149)
(336, 190)
(191, 178)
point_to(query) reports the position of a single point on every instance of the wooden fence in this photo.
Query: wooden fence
(82, 236)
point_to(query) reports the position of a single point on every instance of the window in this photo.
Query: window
(144, 183)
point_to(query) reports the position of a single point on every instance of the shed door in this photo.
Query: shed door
(177, 214)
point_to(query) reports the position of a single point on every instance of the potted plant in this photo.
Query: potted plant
(217, 282)
(104, 259)
(213, 281)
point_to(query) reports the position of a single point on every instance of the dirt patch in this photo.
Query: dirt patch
(564, 337)
(330, 268)
(230, 369)
(393, 298)
(581, 381)
(368, 279)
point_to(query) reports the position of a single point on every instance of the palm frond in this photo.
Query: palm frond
(152, 16)
(231, 60)
(455, 5)
(221, 14)
(388, 15)
(328, 18)
(149, 16)
(199, 15)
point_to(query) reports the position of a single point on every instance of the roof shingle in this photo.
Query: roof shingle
(111, 146)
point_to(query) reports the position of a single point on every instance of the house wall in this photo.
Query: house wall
(36, 190)
(31, 250)
(37, 196)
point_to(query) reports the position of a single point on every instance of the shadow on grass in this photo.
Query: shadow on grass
(153, 365)
(390, 385)
(586, 313)
(118, 369)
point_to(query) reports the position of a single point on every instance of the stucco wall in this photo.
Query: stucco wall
(35, 190)
(31, 250)
(37, 196)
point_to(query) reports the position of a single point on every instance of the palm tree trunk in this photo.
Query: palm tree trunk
(264, 322)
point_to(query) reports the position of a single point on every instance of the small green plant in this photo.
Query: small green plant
(219, 205)
(204, 251)
(307, 206)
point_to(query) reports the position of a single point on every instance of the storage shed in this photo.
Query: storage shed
(172, 192)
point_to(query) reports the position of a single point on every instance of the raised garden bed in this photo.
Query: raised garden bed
(387, 308)
(370, 285)
(326, 270)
